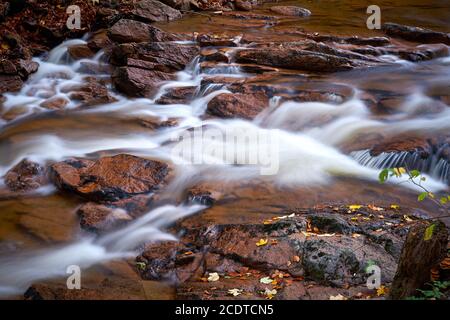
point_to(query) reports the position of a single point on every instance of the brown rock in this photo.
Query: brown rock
(136, 82)
(177, 95)
(416, 34)
(246, 106)
(109, 178)
(243, 5)
(25, 176)
(7, 67)
(98, 217)
(134, 31)
(99, 41)
(80, 51)
(153, 11)
(10, 83)
(208, 40)
(291, 11)
(56, 103)
(94, 92)
(293, 58)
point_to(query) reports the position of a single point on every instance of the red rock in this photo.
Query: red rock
(109, 178)
(153, 11)
(291, 11)
(229, 105)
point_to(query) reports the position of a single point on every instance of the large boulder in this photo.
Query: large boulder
(109, 178)
(143, 66)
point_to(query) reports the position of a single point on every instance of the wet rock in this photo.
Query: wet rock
(172, 56)
(25, 176)
(7, 67)
(404, 143)
(136, 82)
(415, 34)
(214, 56)
(243, 5)
(10, 83)
(143, 66)
(330, 259)
(109, 178)
(177, 95)
(92, 93)
(4, 8)
(153, 11)
(56, 103)
(81, 51)
(211, 40)
(291, 11)
(26, 68)
(134, 31)
(246, 106)
(293, 58)
(99, 41)
(98, 217)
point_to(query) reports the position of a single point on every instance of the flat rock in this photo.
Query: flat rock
(291, 11)
(109, 178)
(153, 11)
(126, 30)
(416, 34)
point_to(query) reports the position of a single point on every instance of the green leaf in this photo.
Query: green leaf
(422, 196)
(429, 232)
(414, 173)
(383, 176)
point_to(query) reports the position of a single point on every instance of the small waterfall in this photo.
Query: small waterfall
(435, 165)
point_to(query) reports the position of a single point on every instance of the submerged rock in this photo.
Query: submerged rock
(109, 178)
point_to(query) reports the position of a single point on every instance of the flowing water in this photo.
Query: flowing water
(307, 145)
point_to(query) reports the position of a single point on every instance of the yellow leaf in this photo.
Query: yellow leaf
(5, 46)
(354, 207)
(262, 242)
(381, 291)
(395, 206)
(266, 280)
(296, 259)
